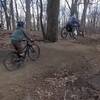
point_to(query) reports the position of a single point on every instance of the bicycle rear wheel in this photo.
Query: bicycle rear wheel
(34, 52)
(12, 62)
(64, 33)
(74, 34)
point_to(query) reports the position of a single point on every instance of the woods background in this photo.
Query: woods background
(49, 16)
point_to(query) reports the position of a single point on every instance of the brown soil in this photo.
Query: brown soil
(61, 73)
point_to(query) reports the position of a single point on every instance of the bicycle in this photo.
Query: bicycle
(14, 61)
(74, 33)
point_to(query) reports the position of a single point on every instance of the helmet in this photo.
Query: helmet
(20, 24)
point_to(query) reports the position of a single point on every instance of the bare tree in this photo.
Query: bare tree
(1, 16)
(38, 15)
(64, 15)
(28, 16)
(22, 6)
(12, 14)
(52, 20)
(7, 17)
(83, 19)
(17, 15)
(33, 15)
(73, 7)
(41, 16)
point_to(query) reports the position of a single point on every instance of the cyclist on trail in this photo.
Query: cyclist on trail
(18, 36)
(72, 22)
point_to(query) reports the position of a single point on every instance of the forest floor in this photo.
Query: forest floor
(66, 70)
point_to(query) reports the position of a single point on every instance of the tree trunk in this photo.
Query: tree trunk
(28, 16)
(1, 17)
(4, 5)
(83, 19)
(52, 20)
(12, 14)
(74, 8)
(33, 16)
(38, 16)
(41, 16)
(17, 15)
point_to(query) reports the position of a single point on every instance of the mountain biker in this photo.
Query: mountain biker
(17, 36)
(72, 22)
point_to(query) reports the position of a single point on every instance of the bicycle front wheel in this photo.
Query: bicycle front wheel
(11, 62)
(34, 52)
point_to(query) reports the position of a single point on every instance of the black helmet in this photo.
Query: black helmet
(20, 24)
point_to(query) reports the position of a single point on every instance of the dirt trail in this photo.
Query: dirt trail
(75, 57)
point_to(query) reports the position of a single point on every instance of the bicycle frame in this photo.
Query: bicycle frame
(26, 49)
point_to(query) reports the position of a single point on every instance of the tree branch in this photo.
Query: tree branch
(68, 4)
(22, 6)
